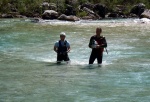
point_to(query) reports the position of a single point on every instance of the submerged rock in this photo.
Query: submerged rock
(36, 20)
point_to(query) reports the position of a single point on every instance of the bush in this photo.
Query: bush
(81, 14)
(33, 6)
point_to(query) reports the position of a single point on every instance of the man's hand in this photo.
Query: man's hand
(97, 46)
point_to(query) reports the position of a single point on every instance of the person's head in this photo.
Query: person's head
(98, 31)
(62, 35)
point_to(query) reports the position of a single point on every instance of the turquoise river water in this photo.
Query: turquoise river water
(28, 72)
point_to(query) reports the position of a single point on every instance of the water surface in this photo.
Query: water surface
(28, 72)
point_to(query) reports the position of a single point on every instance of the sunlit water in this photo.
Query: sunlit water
(28, 72)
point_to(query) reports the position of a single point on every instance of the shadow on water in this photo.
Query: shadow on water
(80, 66)
(56, 64)
(89, 67)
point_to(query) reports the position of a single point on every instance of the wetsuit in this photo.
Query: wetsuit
(97, 52)
(62, 52)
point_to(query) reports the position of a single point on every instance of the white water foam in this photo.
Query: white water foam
(143, 20)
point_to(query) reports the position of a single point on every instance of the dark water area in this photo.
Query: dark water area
(29, 73)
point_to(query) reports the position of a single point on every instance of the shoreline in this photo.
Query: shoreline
(39, 18)
(106, 21)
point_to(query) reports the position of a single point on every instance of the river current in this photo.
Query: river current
(29, 73)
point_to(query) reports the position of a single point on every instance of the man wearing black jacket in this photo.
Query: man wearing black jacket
(97, 44)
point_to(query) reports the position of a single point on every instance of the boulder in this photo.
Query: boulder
(138, 9)
(90, 17)
(116, 15)
(131, 15)
(45, 6)
(48, 6)
(7, 16)
(71, 2)
(68, 18)
(36, 20)
(87, 5)
(145, 14)
(50, 14)
(88, 10)
(112, 15)
(91, 14)
(53, 6)
(70, 10)
(20, 16)
(120, 8)
(100, 9)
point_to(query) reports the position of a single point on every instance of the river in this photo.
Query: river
(29, 73)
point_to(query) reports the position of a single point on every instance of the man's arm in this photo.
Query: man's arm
(68, 49)
(90, 42)
(55, 49)
(104, 43)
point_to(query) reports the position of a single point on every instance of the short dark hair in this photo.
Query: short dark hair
(98, 28)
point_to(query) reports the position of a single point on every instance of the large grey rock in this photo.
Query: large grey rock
(145, 14)
(50, 14)
(138, 9)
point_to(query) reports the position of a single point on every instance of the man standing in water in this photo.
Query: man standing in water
(62, 47)
(97, 44)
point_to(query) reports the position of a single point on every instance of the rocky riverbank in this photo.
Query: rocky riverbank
(84, 11)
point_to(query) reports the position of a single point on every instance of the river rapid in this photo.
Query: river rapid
(29, 73)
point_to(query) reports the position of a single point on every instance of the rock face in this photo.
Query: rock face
(68, 18)
(138, 9)
(145, 14)
(50, 14)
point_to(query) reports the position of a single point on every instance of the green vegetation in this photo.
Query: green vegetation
(30, 7)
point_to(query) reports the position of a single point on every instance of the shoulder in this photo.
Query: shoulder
(57, 43)
(67, 41)
(93, 37)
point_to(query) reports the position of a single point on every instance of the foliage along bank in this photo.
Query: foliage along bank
(84, 9)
